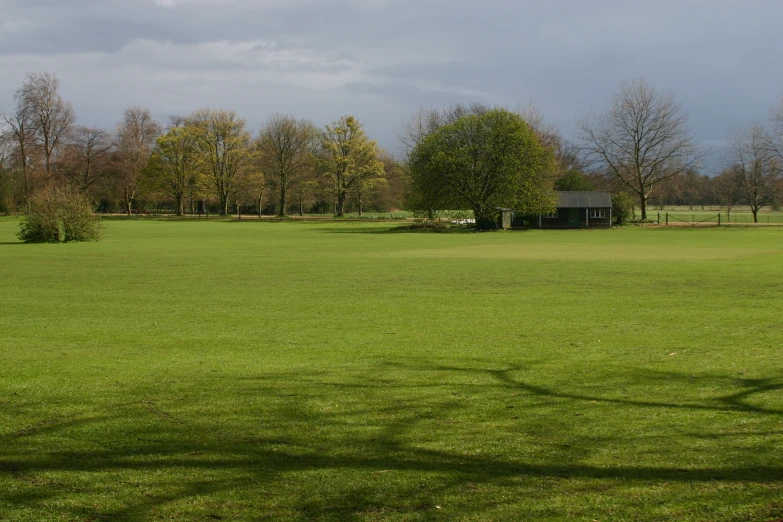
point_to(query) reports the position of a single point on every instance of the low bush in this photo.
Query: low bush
(623, 207)
(59, 213)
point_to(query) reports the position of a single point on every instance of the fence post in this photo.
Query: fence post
(667, 218)
(718, 218)
(659, 218)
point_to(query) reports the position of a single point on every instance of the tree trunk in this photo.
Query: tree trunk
(360, 205)
(643, 206)
(340, 208)
(483, 217)
(281, 210)
(180, 206)
(25, 174)
(128, 206)
(26, 182)
(224, 204)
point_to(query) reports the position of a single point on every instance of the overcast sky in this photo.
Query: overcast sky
(380, 60)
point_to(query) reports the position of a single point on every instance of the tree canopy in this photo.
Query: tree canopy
(286, 145)
(223, 147)
(573, 180)
(349, 159)
(483, 162)
(173, 166)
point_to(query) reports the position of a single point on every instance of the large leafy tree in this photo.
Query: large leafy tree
(223, 144)
(173, 166)
(348, 158)
(482, 162)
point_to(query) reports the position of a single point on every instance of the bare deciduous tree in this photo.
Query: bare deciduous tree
(87, 150)
(6, 173)
(642, 139)
(776, 124)
(776, 142)
(135, 138)
(18, 130)
(286, 146)
(725, 190)
(427, 121)
(567, 154)
(50, 117)
(754, 166)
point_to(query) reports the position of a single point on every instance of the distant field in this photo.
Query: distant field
(194, 370)
(737, 214)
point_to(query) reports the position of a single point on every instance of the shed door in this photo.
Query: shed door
(574, 217)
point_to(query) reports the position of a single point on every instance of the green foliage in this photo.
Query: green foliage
(223, 150)
(173, 166)
(41, 222)
(623, 207)
(482, 162)
(573, 180)
(59, 213)
(349, 159)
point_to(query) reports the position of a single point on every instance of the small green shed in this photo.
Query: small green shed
(575, 209)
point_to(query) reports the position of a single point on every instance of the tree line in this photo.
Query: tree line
(208, 158)
(474, 157)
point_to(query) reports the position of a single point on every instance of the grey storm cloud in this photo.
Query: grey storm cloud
(382, 59)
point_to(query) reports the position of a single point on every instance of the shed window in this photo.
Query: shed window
(551, 215)
(597, 213)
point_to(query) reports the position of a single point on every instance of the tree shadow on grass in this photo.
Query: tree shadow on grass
(395, 447)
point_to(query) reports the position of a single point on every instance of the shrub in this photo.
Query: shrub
(59, 214)
(623, 207)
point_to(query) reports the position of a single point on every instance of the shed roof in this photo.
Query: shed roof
(584, 199)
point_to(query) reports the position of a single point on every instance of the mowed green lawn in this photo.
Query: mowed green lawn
(193, 370)
(711, 216)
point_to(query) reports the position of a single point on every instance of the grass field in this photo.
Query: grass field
(187, 370)
(740, 215)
